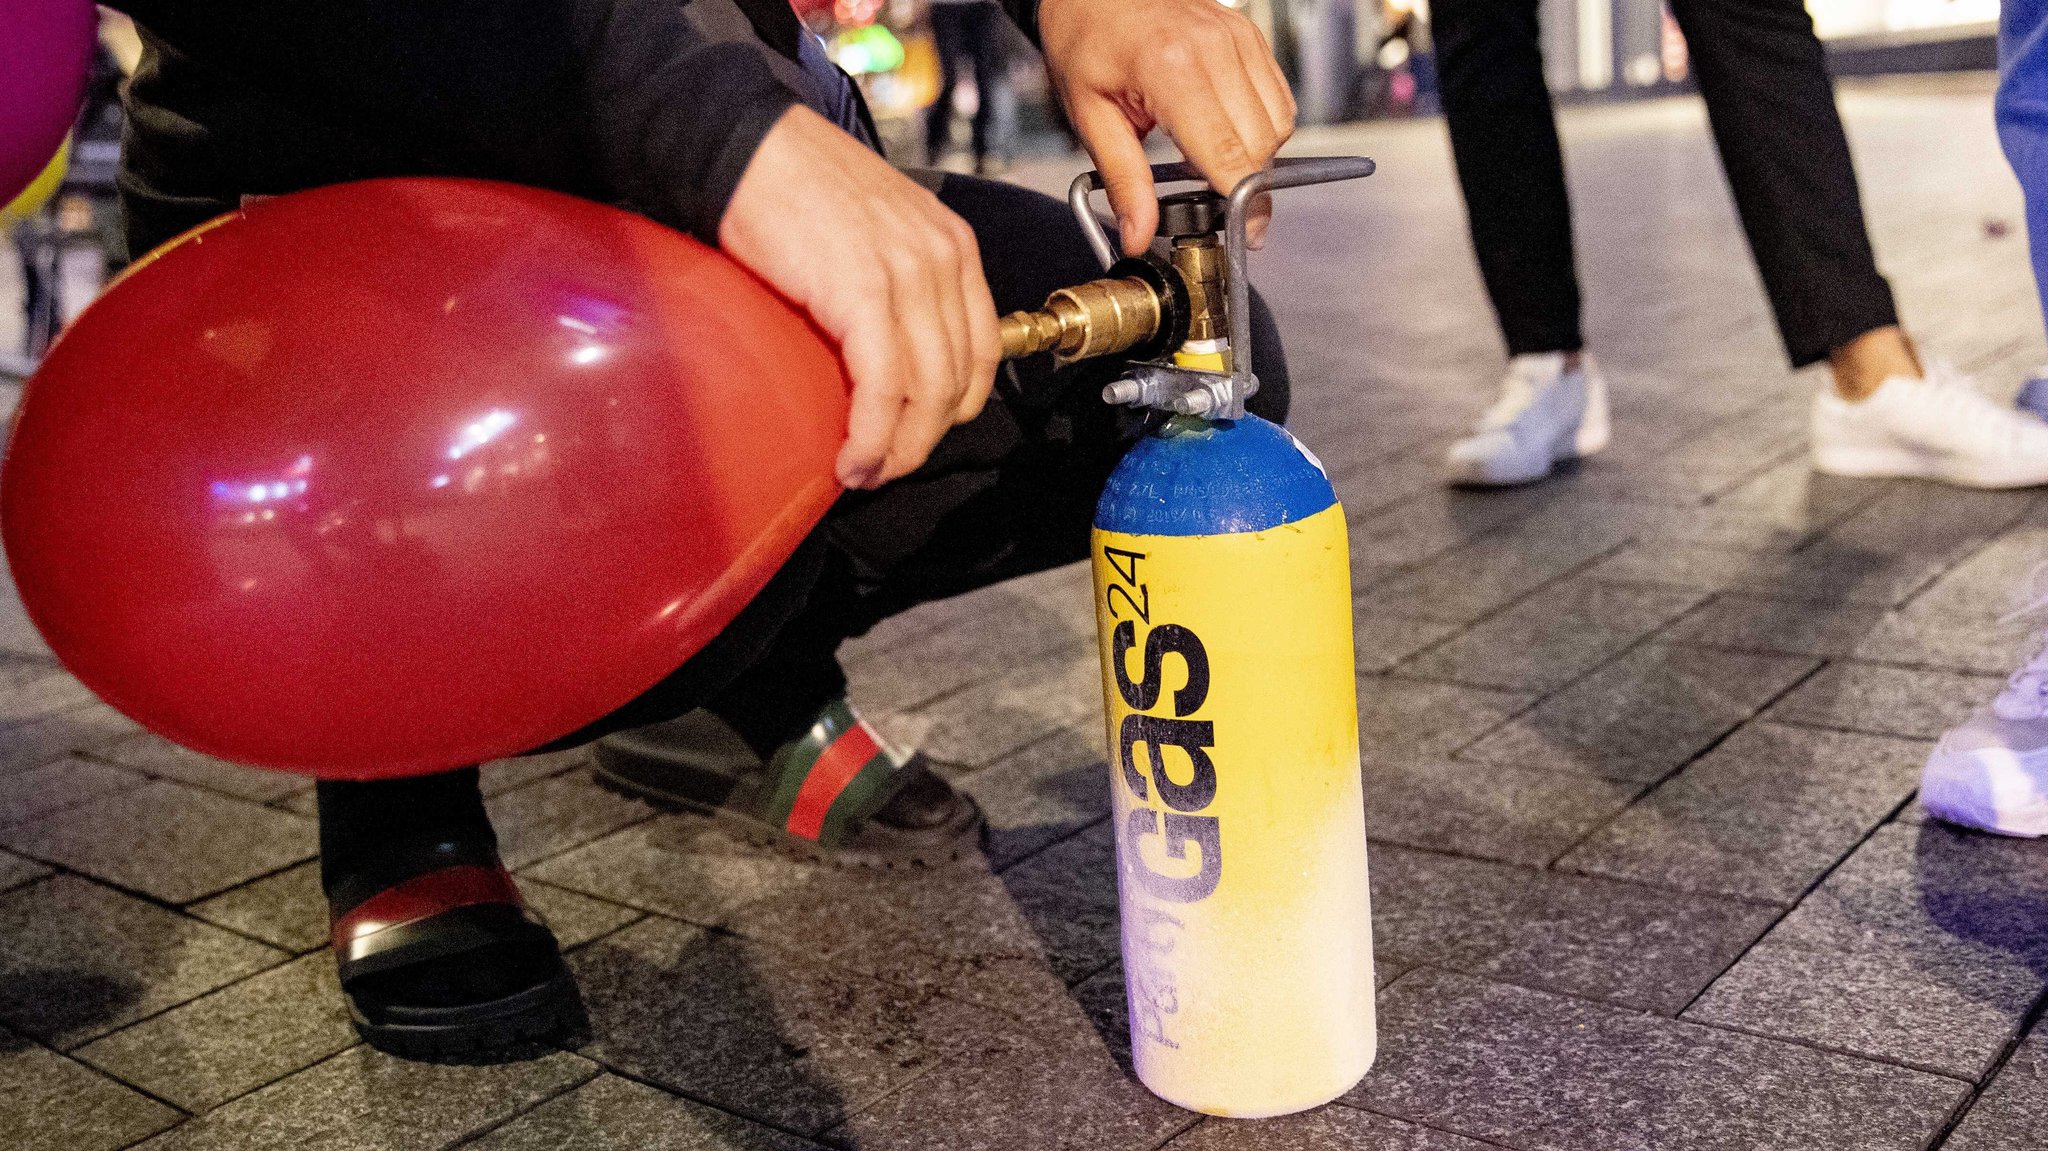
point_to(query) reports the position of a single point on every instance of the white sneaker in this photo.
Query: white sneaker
(1937, 428)
(1546, 413)
(1992, 772)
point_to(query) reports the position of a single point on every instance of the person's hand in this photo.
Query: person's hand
(886, 270)
(1200, 70)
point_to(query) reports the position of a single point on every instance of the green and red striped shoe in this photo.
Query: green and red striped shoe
(835, 795)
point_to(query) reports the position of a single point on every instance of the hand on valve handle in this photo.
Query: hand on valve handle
(895, 278)
(1198, 69)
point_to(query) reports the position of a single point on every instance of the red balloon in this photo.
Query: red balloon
(388, 477)
(45, 58)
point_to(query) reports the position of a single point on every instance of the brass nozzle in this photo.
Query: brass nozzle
(1097, 318)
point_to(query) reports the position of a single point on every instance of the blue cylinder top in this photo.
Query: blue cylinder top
(1205, 478)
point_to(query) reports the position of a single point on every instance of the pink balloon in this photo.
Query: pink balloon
(45, 59)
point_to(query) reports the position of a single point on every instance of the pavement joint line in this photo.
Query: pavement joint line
(59, 870)
(523, 1112)
(1195, 1119)
(1413, 1122)
(1815, 1045)
(1820, 666)
(190, 1116)
(2028, 1024)
(1809, 890)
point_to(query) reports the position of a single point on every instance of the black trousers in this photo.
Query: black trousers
(1772, 107)
(1009, 493)
(966, 33)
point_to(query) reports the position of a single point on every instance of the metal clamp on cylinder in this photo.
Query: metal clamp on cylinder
(1195, 305)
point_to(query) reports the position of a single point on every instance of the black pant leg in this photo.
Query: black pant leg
(1772, 105)
(949, 40)
(1504, 141)
(989, 65)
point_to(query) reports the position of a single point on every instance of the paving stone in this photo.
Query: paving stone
(1042, 793)
(1554, 636)
(1003, 942)
(1887, 700)
(1472, 581)
(1403, 718)
(1326, 1129)
(160, 757)
(1428, 525)
(502, 775)
(1800, 499)
(989, 720)
(54, 1104)
(365, 1100)
(754, 1031)
(232, 1041)
(285, 910)
(1926, 947)
(613, 1114)
(1764, 815)
(1642, 715)
(1379, 641)
(677, 865)
(167, 840)
(32, 689)
(1789, 627)
(68, 782)
(1592, 937)
(78, 960)
(37, 742)
(575, 918)
(1923, 639)
(2013, 1111)
(554, 815)
(1059, 1079)
(1539, 1072)
(1822, 572)
(1483, 809)
(15, 871)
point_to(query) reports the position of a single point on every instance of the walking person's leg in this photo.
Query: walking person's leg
(1991, 772)
(949, 39)
(1764, 75)
(991, 84)
(1511, 168)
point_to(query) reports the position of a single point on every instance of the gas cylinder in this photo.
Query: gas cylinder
(1223, 595)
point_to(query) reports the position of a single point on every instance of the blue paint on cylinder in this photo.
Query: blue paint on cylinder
(1205, 478)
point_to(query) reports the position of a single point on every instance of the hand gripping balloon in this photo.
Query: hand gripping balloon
(389, 477)
(45, 58)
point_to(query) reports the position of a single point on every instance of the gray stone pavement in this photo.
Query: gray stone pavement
(1640, 752)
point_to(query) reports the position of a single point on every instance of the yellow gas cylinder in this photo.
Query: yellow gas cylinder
(1223, 594)
(39, 191)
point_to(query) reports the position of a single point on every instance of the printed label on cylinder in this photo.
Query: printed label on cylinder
(1230, 695)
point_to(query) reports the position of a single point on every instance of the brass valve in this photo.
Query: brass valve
(1098, 318)
(1142, 304)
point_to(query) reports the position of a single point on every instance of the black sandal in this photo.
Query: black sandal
(835, 796)
(410, 961)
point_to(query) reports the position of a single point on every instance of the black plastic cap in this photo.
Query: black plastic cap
(1196, 213)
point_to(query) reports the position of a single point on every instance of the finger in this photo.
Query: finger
(1119, 154)
(1231, 84)
(983, 335)
(873, 357)
(1206, 131)
(947, 302)
(932, 390)
(1267, 80)
(1257, 218)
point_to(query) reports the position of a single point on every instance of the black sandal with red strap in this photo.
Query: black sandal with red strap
(835, 795)
(451, 964)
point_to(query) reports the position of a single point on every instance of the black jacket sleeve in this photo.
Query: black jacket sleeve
(631, 101)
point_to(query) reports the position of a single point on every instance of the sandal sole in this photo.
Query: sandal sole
(511, 1028)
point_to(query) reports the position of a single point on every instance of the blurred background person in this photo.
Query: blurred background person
(971, 35)
(1771, 104)
(1991, 772)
